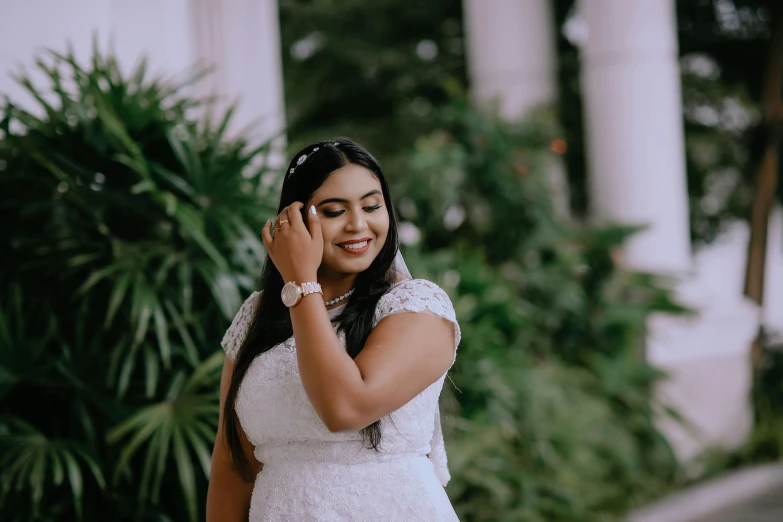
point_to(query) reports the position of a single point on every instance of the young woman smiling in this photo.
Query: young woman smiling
(329, 395)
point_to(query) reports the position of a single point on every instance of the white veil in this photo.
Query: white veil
(400, 266)
(437, 454)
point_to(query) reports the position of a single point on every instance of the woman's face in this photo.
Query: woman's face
(354, 220)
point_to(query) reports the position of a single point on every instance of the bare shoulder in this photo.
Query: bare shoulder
(412, 331)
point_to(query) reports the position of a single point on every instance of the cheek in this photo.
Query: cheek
(328, 231)
(381, 226)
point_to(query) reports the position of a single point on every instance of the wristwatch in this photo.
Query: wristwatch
(292, 293)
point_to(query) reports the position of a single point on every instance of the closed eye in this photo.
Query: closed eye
(335, 213)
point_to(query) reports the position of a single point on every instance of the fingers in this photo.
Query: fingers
(266, 234)
(282, 219)
(295, 213)
(314, 222)
(289, 217)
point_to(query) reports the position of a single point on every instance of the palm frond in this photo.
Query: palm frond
(182, 424)
(31, 461)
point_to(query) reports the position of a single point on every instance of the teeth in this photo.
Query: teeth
(356, 246)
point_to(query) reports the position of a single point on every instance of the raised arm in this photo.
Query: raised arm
(405, 353)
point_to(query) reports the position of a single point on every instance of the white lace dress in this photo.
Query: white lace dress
(310, 474)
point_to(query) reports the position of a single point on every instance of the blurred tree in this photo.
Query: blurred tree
(769, 165)
(373, 71)
(129, 237)
(739, 42)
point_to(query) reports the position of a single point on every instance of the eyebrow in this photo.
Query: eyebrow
(341, 200)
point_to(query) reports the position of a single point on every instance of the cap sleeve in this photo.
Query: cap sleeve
(419, 296)
(236, 333)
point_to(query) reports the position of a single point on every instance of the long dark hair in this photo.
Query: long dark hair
(271, 322)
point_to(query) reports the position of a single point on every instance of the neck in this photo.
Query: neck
(334, 285)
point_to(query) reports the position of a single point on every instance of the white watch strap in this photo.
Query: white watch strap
(310, 288)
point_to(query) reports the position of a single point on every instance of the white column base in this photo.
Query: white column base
(708, 356)
(773, 278)
(712, 393)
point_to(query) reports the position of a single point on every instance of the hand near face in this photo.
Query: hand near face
(295, 250)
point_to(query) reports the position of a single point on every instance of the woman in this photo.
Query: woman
(329, 393)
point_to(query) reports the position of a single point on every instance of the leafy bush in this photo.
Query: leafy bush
(130, 237)
(555, 414)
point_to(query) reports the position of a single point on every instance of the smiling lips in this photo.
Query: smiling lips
(358, 246)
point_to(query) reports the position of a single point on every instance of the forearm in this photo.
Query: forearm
(228, 496)
(329, 375)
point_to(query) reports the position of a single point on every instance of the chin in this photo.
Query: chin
(351, 266)
(356, 267)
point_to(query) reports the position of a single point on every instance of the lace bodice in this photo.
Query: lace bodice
(304, 459)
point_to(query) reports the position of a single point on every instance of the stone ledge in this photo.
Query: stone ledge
(703, 500)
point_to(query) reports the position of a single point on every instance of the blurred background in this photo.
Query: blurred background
(596, 183)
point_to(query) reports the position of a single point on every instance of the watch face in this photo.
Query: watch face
(290, 294)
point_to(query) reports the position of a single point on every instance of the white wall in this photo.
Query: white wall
(27, 27)
(239, 38)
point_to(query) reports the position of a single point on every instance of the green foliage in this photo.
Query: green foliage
(555, 415)
(373, 71)
(718, 122)
(130, 237)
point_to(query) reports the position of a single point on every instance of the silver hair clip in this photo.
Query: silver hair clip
(302, 159)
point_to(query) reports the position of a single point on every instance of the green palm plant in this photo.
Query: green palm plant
(30, 459)
(183, 423)
(130, 232)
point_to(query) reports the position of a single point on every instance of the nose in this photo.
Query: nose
(356, 222)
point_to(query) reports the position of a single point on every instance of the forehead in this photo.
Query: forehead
(350, 182)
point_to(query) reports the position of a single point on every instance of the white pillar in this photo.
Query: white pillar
(511, 53)
(512, 62)
(634, 130)
(240, 39)
(636, 159)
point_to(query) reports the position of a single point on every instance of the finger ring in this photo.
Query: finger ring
(273, 232)
(283, 221)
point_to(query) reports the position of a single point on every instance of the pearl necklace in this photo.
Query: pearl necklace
(337, 300)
